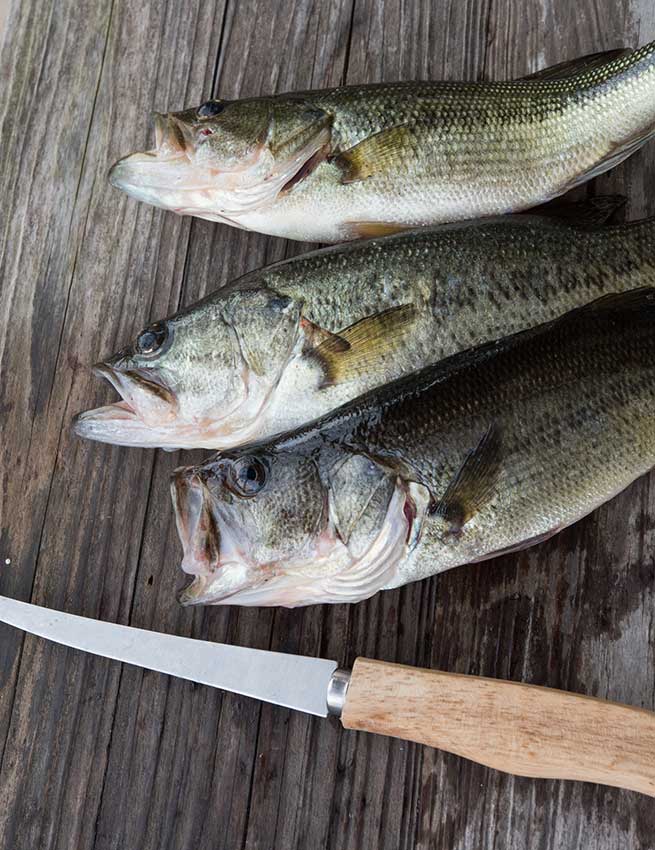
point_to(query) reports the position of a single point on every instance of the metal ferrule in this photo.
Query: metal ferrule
(337, 690)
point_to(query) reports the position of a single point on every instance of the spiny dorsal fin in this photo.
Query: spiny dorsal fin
(474, 484)
(578, 66)
(366, 342)
(591, 212)
(374, 154)
(637, 304)
(640, 300)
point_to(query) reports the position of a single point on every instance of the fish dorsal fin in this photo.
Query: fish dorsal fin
(590, 212)
(637, 303)
(474, 483)
(640, 301)
(581, 65)
(374, 154)
(360, 347)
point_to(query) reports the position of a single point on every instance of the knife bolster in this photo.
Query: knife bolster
(337, 691)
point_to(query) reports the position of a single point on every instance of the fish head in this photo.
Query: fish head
(203, 377)
(225, 158)
(267, 527)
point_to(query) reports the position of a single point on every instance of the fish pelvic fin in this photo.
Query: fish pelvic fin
(372, 229)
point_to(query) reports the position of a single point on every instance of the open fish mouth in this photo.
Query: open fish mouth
(167, 174)
(150, 415)
(145, 412)
(223, 574)
(178, 175)
(218, 567)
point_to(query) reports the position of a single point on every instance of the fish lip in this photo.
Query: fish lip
(172, 134)
(186, 595)
(116, 410)
(198, 591)
(123, 169)
(181, 136)
(201, 539)
(147, 380)
(127, 173)
(174, 145)
(195, 522)
(120, 412)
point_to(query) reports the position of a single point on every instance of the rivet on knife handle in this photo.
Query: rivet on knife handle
(522, 729)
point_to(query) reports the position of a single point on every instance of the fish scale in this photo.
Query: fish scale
(488, 451)
(365, 160)
(466, 284)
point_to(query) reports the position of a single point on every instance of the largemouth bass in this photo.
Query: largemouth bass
(487, 452)
(286, 344)
(359, 161)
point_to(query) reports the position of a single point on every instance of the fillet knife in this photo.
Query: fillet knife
(521, 729)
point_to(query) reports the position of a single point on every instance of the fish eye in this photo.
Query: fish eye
(246, 476)
(210, 109)
(151, 339)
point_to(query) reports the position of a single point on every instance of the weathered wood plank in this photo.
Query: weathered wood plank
(73, 517)
(227, 770)
(96, 756)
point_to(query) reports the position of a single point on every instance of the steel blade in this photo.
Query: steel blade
(294, 681)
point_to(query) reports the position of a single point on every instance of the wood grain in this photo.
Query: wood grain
(95, 756)
(520, 729)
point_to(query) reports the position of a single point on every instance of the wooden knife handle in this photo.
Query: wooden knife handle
(521, 729)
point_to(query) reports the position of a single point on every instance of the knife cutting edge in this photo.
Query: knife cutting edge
(521, 729)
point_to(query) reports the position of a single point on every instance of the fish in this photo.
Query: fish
(369, 160)
(490, 451)
(285, 344)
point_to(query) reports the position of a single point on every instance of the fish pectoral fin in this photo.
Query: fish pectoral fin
(360, 347)
(581, 65)
(374, 154)
(317, 337)
(474, 484)
(589, 212)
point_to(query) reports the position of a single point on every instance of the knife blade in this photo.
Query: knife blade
(518, 728)
(293, 681)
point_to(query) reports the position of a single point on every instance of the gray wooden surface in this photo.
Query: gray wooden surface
(98, 756)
